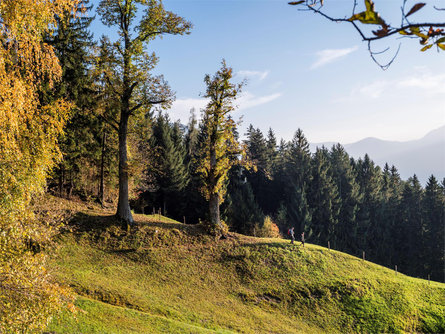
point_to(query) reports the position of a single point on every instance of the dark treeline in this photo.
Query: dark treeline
(353, 204)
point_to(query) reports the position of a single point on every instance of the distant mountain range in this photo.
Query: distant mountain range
(423, 157)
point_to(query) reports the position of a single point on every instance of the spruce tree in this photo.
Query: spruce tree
(391, 197)
(344, 176)
(369, 178)
(323, 199)
(295, 180)
(433, 206)
(260, 177)
(81, 144)
(168, 167)
(411, 228)
(241, 210)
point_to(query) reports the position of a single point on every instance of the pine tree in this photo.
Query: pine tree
(295, 179)
(297, 160)
(433, 206)
(369, 179)
(344, 176)
(260, 177)
(272, 152)
(298, 213)
(241, 210)
(81, 144)
(323, 199)
(168, 169)
(410, 229)
(391, 197)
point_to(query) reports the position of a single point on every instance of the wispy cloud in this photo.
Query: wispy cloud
(330, 55)
(259, 75)
(424, 82)
(249, 100)
(431, 83)
(373, 90)
(181, 107)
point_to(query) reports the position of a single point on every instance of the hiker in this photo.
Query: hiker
(292, 235)
(302, 239)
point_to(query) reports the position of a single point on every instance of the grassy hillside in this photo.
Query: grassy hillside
(166, 277)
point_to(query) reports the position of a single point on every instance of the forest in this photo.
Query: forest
(354, 205)
(88, 120)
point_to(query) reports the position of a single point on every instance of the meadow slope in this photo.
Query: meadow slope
(167, 277)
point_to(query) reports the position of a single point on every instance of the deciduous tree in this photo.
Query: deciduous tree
(28, 150)
(132, 83)
(218, 149)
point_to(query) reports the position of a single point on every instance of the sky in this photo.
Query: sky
(302, 70)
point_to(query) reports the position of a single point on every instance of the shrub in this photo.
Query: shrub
(269, 229)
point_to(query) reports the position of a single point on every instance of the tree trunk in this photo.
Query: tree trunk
(102, 163)
(61, 177)
(214, 198)
(123, 206)
(71, 185)
(214, 210)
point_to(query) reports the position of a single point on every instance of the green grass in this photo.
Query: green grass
(166, 277)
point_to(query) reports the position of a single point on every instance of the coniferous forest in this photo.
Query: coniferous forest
(88, 120)
(354, 205)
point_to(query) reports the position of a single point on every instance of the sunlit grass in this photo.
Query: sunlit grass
(167, 277)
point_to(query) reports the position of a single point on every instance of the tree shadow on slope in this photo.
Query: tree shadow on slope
(89, 222)
(109, 234)
(82, 222)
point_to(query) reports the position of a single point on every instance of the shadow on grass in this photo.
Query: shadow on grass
(83, 222)
(87, 222)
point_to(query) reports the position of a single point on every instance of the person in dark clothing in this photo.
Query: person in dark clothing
(302, 239)
(292, 235)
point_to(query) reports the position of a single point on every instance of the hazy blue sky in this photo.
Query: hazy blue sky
(302, 71)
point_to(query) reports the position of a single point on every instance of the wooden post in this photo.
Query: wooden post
(184, 219)
(329, 245)
(396, 269)
(428, 279)
(363, 255)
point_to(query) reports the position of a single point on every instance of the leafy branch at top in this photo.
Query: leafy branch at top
(428, 33)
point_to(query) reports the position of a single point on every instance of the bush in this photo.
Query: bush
(269, 229)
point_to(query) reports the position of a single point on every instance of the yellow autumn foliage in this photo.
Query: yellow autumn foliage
(28, 151)
(219, 148)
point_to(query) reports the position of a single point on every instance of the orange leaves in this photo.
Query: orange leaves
(28, 150)
(434, 34)
(381, 32)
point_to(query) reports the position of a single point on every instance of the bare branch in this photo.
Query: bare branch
(387, 65)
